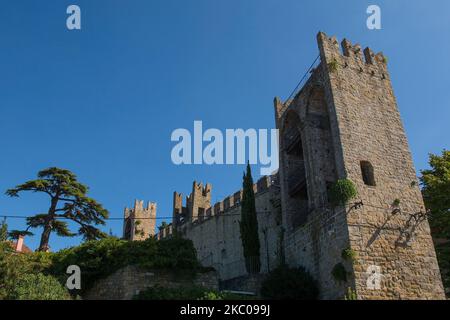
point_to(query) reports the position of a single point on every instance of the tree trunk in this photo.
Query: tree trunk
(43, 246)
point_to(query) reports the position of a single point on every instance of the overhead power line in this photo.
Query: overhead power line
(387, 209)
(303, 78)
(117, 218)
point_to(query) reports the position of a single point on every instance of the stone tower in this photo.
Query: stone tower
(179, 212)
(139, 222)
(344, 123)
(197, 204)
(199, 200)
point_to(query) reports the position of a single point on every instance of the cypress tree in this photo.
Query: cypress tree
(249, 225)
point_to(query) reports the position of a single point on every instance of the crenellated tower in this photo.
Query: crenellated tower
(139, 221)
(199, 200)
(344, 123)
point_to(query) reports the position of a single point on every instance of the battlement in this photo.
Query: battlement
(342, 122)
(203, 189)
(139, 210)
(334, 59)
(348, 53)
(198, 204)
(233, 200)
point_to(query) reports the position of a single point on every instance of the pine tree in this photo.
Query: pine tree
(68, 201)
(249, 225)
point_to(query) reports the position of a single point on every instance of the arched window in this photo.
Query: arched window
(367, 172)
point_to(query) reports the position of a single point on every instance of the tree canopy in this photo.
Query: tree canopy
(68, 201)
(436, 193)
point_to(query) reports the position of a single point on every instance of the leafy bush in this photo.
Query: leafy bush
(339, 273)
(161, 293)
(185, 293)
(289, 283)
(13, 267)
(96, 259)
(396, 203)
(99, 258)
(349, 254)
(351, 294)
(175, 253)
(39, 287)
(342, 192)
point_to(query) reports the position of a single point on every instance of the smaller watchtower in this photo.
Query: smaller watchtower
(139, 222)
(198, 201)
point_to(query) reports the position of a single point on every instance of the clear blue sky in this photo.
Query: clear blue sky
(103, 101)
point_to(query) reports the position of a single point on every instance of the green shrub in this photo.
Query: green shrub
(38, 287)
(351, 294)
(176, 253)
(212, 295)
(14, 266)
(349, 254)
(100, 258)
(339, 273)
(161, 293)
(396, 203)
(97, 259)
(185, 293)
(342, 192)
(289, 283)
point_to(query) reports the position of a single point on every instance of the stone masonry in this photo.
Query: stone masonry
(129, 281)
(216, 234)
(139, 222)
(344, 123)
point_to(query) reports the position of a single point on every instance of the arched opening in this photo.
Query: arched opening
(295, 169)
(367, 173)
